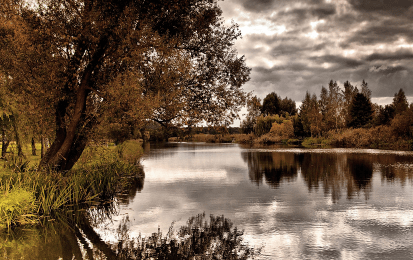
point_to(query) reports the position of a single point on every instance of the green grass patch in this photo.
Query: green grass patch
(28, 194)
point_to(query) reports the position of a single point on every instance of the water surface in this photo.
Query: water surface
(294, 203)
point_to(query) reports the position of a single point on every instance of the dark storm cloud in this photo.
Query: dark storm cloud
(389, 7)
(384, 32)
(300, 14)
(393, 56)
(339, 61)
(258, 5)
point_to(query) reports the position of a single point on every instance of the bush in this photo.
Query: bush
(284, 130)
(264, 124)
(15, 206)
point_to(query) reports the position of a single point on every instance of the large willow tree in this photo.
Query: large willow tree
(84, 61)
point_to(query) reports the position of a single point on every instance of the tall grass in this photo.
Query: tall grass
(27, 194)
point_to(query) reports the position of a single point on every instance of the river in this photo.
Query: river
(291, 203)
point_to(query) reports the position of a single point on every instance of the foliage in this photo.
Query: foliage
(99, 180)
(254, 111)
(311, 118)
(402, 124)
(400, 103)
(384, 115)
(16, 205)
(331, 105)
(199, 239)
(361, 111)
(264, 124)
(170, 61)
(271, 104)
(284, 130)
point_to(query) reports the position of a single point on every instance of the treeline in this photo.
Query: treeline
(344, 117)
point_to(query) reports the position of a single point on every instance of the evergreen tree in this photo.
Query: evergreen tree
(361, 111)
(400, 103)
(348, 93)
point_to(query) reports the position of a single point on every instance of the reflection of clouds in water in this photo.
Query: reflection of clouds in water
(169, 175)
(355, 232)
(294, 212)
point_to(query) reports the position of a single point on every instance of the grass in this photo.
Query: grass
(27, 194)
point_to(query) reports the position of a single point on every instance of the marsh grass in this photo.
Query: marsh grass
(27, 194)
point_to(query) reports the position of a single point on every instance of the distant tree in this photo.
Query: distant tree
(348, 94)
(271, 104)
(365, 90)
(402, 124)
(298, 126)
(384, 115)
(400, 103)
(331, 106)
(305, 114)
(254, 111)
(361, 111)
(264, 123)
(311, 117)
(288, 105)
(284, 130)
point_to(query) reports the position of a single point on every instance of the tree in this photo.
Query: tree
(82, 60)
(311, 117)
(400, 103)
(271, 104)
(365, 90)
(348, 94)
(254, 111)
(384, 115)
(361, 111)
(287, 105)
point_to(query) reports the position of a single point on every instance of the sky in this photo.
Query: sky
(294, 46)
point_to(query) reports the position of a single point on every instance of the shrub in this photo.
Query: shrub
(284, 130)
(15, 206)
(264, 124)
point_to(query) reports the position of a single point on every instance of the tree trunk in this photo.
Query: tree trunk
(5, 144)
(70, 141)
(17, 137)
(33, 147)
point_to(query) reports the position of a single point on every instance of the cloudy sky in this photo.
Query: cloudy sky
(294, 46)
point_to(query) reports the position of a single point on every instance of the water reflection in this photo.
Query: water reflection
(294, 203)
(72, 237)
(332, 172)
(274, 167)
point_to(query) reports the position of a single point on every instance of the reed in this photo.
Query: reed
(29, 194)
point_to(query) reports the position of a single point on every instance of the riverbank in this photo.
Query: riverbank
(375, 138)
(29, 195)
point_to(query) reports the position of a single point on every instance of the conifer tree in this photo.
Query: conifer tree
(400, 103)
(361, 111)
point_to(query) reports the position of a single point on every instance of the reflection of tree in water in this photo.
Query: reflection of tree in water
(361, 168)
(325, 170)
(131, 185)
(275, 167)
(395, 168)
(334, 172)
(74, 237)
